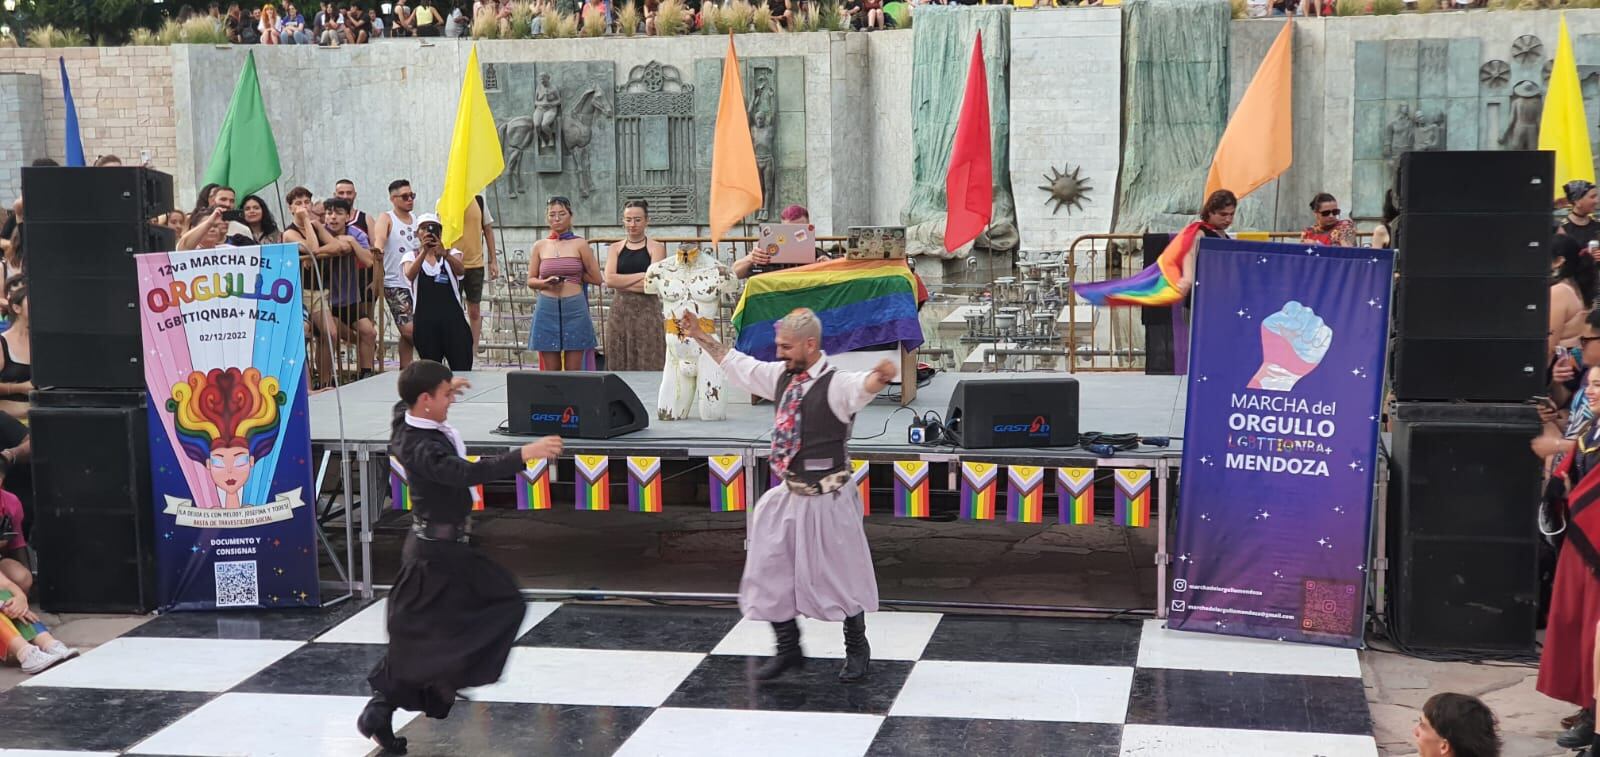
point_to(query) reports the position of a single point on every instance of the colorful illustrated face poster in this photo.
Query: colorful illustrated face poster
(1280, 441)
(230, 442)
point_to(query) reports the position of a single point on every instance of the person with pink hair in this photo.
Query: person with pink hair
(758, 261)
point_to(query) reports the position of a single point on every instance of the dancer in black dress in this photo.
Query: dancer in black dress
(453, 613)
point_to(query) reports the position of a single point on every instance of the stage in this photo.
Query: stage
(357, 418)
(1110, 403)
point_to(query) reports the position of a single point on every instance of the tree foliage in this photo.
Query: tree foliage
(112, 20)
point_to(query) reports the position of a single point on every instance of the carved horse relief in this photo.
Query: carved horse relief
(536, 134)
(577, 131)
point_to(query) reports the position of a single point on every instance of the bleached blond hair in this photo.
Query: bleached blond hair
(802, 323)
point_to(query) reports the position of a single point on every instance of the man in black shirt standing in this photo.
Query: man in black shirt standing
(453, 613)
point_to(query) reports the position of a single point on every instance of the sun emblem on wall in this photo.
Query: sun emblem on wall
(1067, 190)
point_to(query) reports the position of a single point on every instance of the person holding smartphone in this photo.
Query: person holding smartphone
(439, 322)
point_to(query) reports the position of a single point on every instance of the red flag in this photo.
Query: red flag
(969, 186)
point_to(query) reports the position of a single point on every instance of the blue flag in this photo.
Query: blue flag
(74, 139)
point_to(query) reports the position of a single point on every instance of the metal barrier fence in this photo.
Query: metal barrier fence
(1095, 339)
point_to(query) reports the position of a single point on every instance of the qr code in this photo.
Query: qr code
(237, 584)
(1330, 607)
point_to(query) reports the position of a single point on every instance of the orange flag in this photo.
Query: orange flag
(1258, 144)
(735, 182)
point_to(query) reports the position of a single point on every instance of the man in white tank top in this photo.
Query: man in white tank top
(393, 235)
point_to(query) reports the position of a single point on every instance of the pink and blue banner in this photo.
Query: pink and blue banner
(1280, 441)
(230, 443)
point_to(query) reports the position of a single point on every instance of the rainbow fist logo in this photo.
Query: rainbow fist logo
(1293, 342)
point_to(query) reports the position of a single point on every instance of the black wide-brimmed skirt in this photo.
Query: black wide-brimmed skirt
(453, 615)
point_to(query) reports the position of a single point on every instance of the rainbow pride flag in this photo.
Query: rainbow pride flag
(644, 484)
(1075, 493)
(592, 489)
(910, 488)
(978, 484)
(1025, 494)
(859, 479)
(9, 628)
(1133, 497)
(1155, 286)
(400, 487)
(533, 485)
(861, 303)
(727, 483)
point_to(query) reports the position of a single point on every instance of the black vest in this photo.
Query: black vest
(822, 435)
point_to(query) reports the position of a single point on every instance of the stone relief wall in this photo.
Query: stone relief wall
(775, 97)
(1368, 89)
(842, 129)
(655, 143)
(557, 128)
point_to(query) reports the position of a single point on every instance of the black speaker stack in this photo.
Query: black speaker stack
(94, 529)
(1469, 352)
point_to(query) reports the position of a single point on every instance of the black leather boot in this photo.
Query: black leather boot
(788, 655)
(1580, 735)
(377, 723)
(857, 653)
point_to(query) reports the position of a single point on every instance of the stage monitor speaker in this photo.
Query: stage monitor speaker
(1474, 370)
(1462, 542)
(1030, 412)
(1476, 181)
(1472, 307)
(125, 193)
(580, 404)
(94, 533)
(83, 298)
(1474, 244)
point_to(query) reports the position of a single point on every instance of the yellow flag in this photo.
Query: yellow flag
(1258, 144)
(475, 157)
(735, 181)
(1564, 127)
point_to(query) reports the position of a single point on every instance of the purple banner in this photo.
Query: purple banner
(1280, 439)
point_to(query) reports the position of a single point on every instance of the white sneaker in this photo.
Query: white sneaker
(35, 660)
(60, 649)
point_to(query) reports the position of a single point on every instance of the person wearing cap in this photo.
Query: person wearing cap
(1580, 225)
(439, 318)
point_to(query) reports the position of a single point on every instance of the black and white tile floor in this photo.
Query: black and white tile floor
(589, 679)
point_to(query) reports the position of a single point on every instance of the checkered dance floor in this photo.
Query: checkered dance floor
(589, 679)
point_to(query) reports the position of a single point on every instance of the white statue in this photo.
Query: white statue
(689, 282)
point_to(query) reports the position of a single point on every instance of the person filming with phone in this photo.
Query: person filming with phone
(439, 322)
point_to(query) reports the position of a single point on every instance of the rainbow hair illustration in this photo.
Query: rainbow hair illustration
(226, 408)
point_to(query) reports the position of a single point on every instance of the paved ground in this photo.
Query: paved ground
(1397, 686)
(1083, 565)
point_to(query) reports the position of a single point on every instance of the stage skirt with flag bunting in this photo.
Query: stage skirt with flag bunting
(453, 615)
(807, 556)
